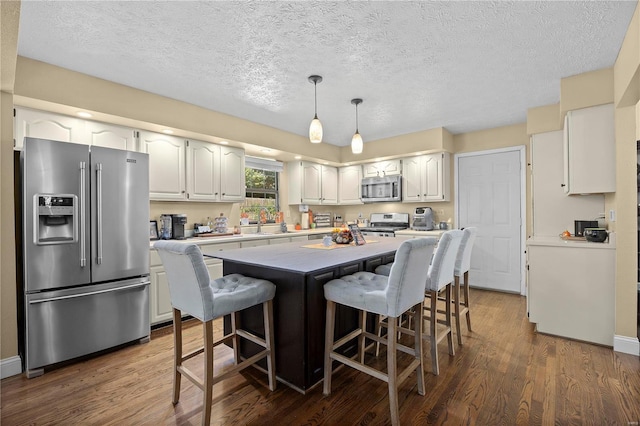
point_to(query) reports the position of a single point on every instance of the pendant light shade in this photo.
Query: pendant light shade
(356, 141)
(315, 129)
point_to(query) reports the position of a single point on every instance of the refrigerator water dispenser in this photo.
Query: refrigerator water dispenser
(56, 216)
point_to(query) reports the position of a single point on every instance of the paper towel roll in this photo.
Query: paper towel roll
(304, 221)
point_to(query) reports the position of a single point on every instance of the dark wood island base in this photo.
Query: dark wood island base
(299, 274)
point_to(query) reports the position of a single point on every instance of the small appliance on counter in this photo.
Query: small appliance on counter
(177, 226)
(596, 235)
(581, 225)
(423, 219)
(173, 226)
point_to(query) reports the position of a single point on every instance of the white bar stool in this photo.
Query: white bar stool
(193, 292)
(461, 270)
(440, 277)
(389, 296)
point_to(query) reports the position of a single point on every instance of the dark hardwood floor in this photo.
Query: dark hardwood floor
(503, 374)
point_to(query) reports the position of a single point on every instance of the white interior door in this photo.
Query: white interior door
(490, 196)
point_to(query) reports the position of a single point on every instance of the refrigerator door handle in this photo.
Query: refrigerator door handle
(92, 293)
(99, 208)
(83, 248)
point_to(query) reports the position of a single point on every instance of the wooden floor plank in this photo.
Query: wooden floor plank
(504, 373)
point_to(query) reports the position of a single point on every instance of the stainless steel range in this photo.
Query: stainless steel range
(385, 224)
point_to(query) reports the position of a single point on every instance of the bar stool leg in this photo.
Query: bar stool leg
(456, 307)
(433, 326)
(177, 354)
(466, 299)
(362, 323)
(392, 369)
(267, 308)
(418, 350)
(328, 346)
(452, 350)
(235, 340)
(208, 371)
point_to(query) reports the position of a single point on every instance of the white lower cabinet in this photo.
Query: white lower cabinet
(571, 290)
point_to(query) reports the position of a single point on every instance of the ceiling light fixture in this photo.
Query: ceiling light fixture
(315, 129)
(356, 141)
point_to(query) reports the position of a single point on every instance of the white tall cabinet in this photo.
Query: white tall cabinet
(426, 178)
(312, 183)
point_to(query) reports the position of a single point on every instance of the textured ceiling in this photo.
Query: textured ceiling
(463, 66)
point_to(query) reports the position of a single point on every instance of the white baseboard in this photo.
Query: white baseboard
(10, 367)
(627, 345)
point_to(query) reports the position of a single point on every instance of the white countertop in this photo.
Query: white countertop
(250, 236)
(610, 244)
(304, 257)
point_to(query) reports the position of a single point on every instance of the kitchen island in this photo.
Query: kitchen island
(299, 270)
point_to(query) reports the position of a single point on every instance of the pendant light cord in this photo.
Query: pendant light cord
(357, 118)
(315, 99)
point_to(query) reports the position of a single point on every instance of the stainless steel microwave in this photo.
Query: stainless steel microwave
(381, 188)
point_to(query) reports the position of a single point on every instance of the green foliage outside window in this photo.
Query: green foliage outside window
(261, 193)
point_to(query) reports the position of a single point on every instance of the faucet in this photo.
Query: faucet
(260, 219)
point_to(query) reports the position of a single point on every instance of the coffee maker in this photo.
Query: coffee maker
(173, 226)
(177, 226)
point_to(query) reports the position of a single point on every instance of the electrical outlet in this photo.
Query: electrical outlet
(441, 212)
(612, 215)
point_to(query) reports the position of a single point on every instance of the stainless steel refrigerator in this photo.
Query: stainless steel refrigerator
(85, 250)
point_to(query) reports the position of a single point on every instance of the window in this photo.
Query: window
(262, 189)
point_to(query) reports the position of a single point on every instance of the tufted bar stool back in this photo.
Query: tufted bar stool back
(193, 292)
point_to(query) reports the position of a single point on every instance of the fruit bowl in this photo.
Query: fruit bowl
(342, 237)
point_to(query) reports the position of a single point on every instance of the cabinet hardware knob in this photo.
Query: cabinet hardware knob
(562, 185)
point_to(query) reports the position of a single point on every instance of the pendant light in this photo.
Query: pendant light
(315, 129)
(356, 141)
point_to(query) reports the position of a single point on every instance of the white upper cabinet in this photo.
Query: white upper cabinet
(166, 165)
(312, 183)
(589, 150)
(232, 177)
(203, 171)
(214, 173)
(349, 181)
(329, 185)
(382, 168)
(426, 178)
(109, 136)
(46, 125)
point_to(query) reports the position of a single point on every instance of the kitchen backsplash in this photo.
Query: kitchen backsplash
(199, 212)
